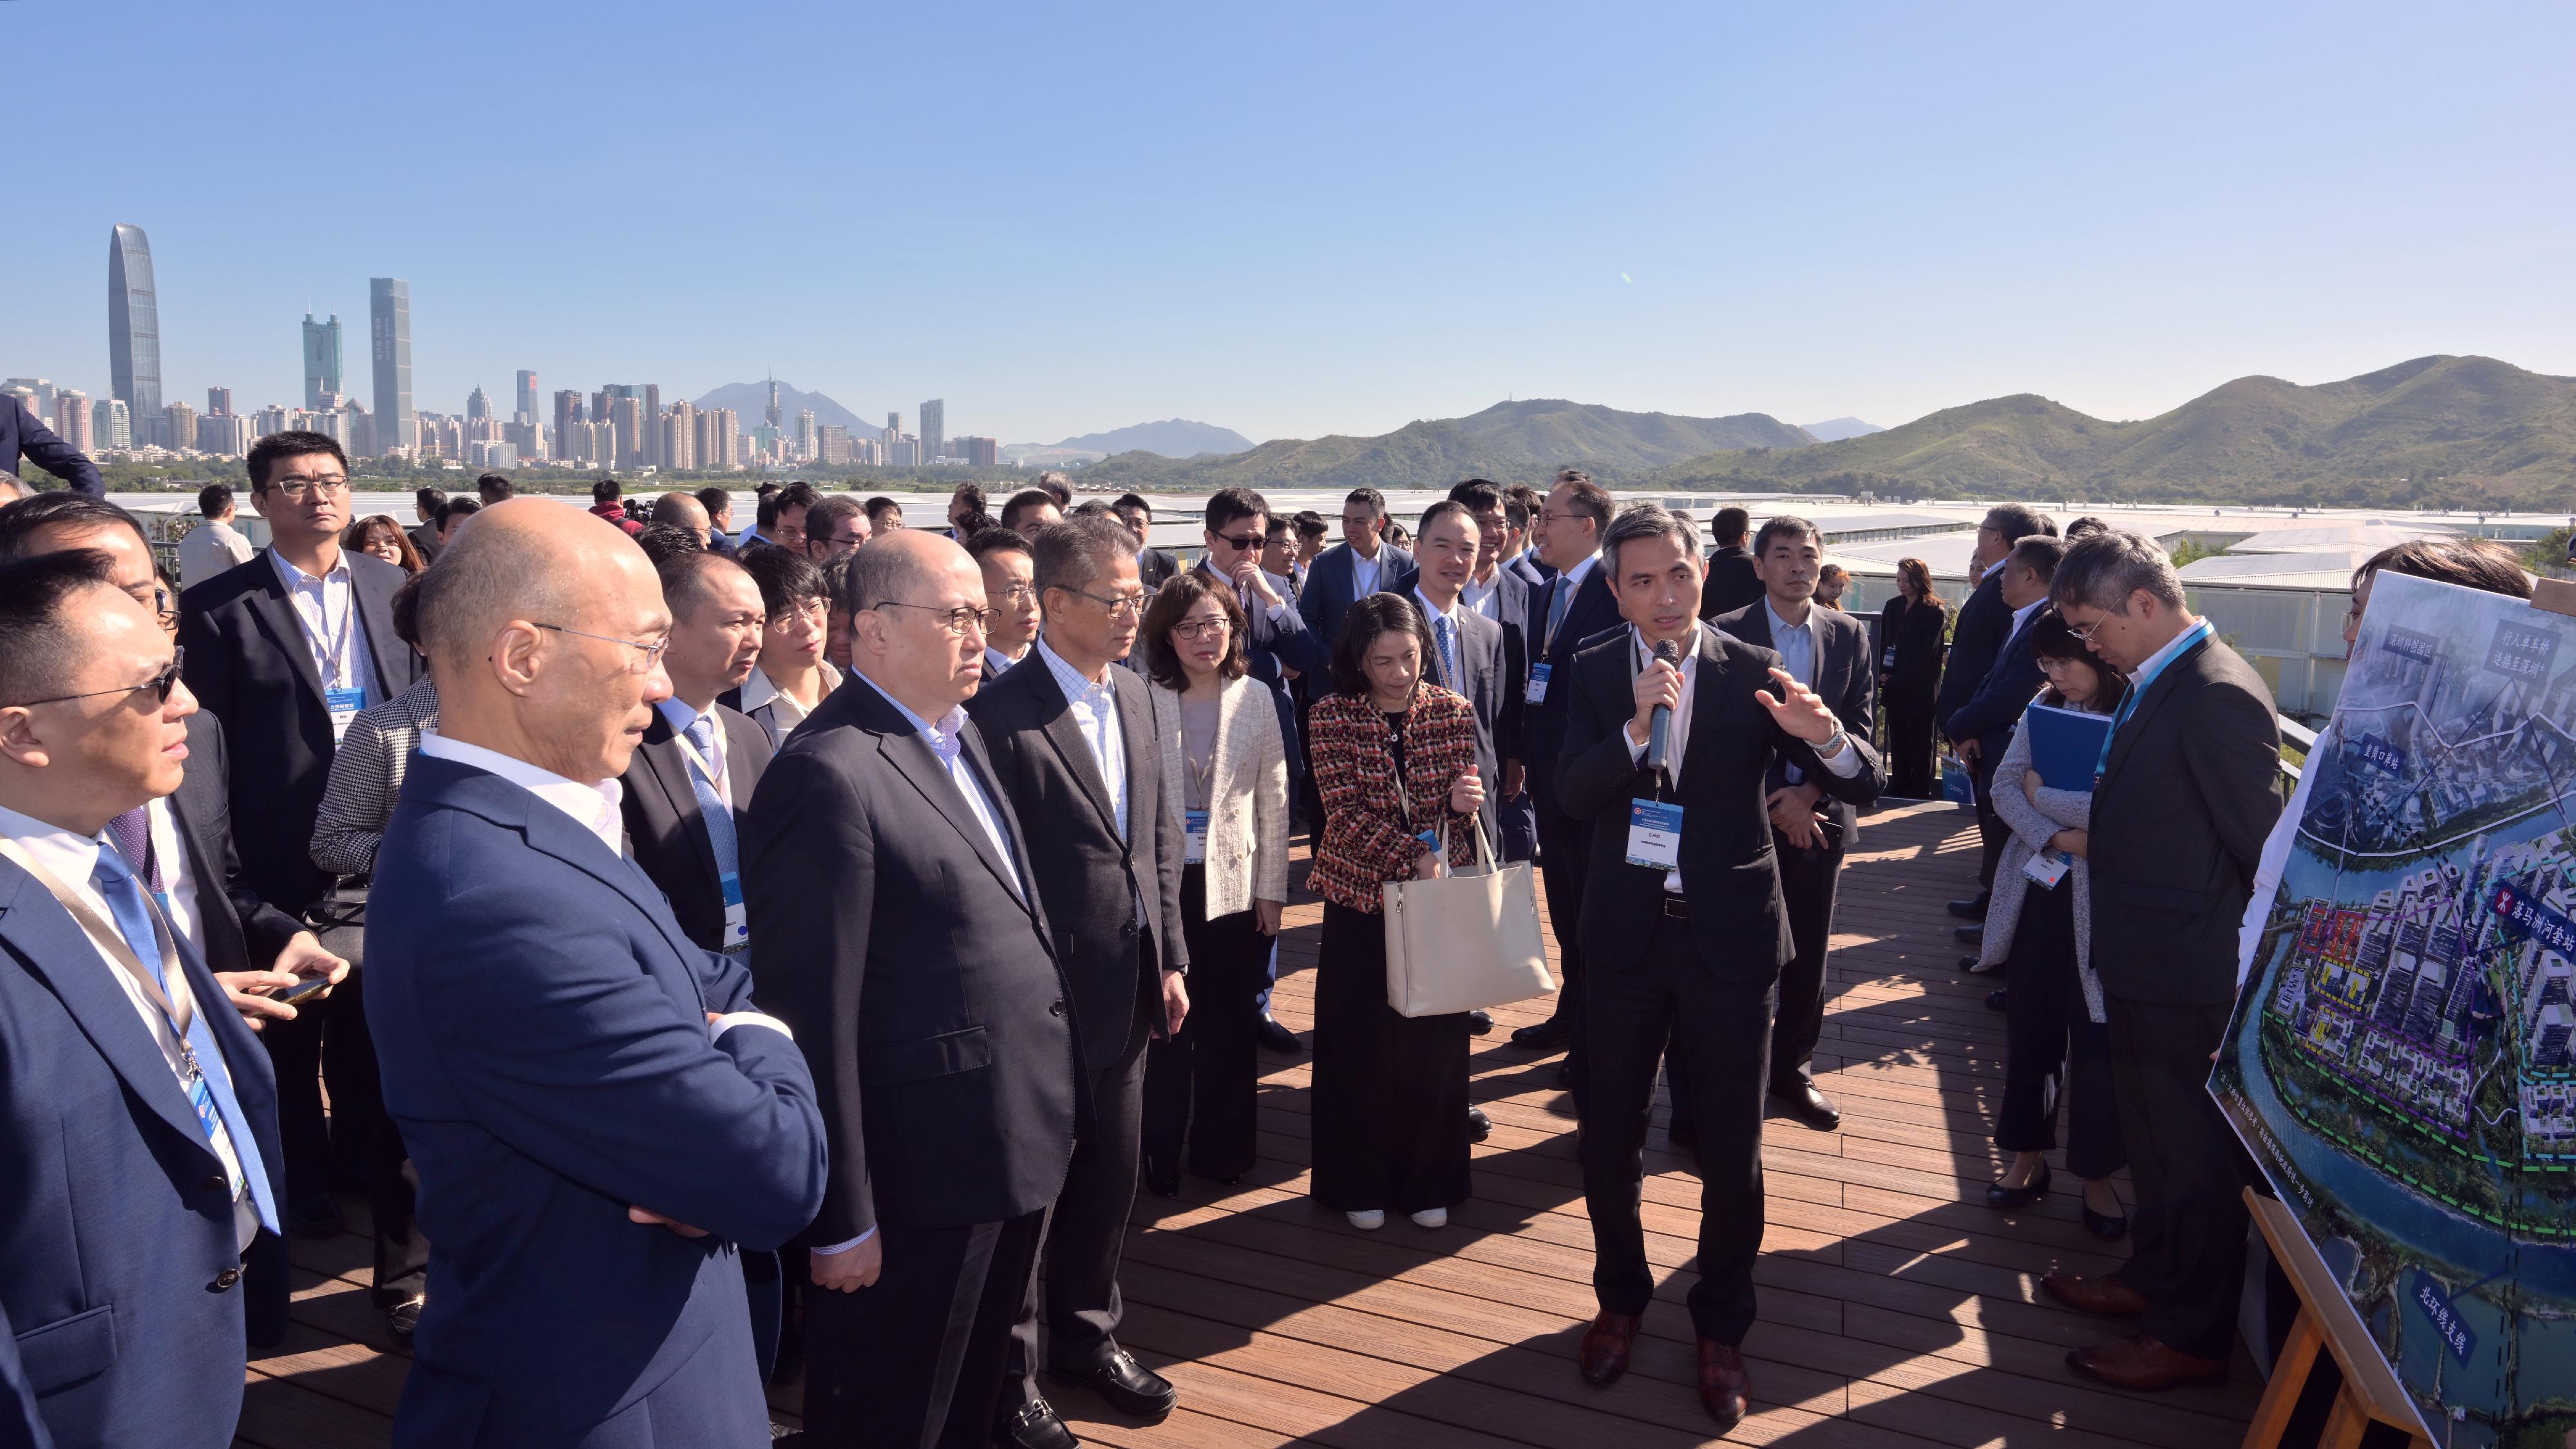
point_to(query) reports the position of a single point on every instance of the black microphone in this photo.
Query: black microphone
(1659, 729)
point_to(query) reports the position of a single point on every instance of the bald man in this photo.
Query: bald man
(683, 510)
(599, 1117)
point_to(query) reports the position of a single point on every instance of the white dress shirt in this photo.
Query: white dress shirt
(758, 691)
(1364, 572)
(593, 807)
(328, 607)
(947, 741)
(1094, 705)
(186, 916)
(999, 662)
(1796, 646)
(71, 860)
(1433, 615)
(209, 549)
(1480, 596)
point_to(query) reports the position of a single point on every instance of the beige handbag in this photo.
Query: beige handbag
(1467, 940)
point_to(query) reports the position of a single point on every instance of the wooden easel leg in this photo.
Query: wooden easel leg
(2345, 1426)
(2289, 1376)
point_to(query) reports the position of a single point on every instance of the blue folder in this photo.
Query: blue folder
(2065, 745)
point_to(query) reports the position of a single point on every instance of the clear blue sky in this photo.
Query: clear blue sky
(1294, 220)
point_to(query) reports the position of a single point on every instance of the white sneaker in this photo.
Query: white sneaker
(1431, 1218)
(1367, 1222)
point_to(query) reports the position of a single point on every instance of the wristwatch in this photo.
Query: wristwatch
(1833, 744)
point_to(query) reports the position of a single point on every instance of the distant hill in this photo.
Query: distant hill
(751, 400)
(2465, 431)
(1519, 441)
(1834, 430)
(1175, 438)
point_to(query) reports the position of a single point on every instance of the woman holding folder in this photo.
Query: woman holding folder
(2039, 927)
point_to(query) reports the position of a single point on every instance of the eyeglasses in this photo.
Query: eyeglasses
(163, 682)
(158, 601)
(1131, 605)
(2084, 633)
(953, 620)
(1203, 629)
(308, 490)
(652, 652)
(1020, 594)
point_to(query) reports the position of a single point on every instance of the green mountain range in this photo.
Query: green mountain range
(1509, 441)
(2461, 431)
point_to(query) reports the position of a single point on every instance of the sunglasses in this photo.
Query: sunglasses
(163, 682)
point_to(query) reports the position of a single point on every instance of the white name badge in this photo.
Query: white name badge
(344, 705)
(2047, 869)
(1195, 822)
(1655, 834)
(1537, 691)
(737, 926)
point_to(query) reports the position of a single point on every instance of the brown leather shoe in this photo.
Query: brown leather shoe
(2140, 1361)
(1722, 1382)
(2105, 1296)
(1604, 1355)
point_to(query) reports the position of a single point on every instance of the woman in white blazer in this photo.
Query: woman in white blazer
(1224, 760)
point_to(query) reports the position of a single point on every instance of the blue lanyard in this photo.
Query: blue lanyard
(2189, 641)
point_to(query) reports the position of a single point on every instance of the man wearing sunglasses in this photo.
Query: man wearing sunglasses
(137, 1113)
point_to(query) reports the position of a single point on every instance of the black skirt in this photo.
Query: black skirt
(1390, 1092)
(1202, 1087)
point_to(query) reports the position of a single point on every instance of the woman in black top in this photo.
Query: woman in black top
(1911, 633)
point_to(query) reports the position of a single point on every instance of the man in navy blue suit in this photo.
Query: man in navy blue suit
(1363, 563)
(22, 433)
(599, 1117)
(138, 1121)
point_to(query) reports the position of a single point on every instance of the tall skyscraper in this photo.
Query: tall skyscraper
(133, 325)
(934, 428)
(478, 404)
(678, 431)
(651, 452)
(321, 360)
(805, 439)
(771, 417)
(568, 411)
(219, 402)
(179, 426)
(894, 425)
(71, 417)
(527, 399)
(389, 324)
(111, 423)
(628, 414)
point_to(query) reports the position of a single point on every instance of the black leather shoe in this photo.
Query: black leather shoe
(1974, 967)
(1128, 1386)
(2000, 1196)
(318, 1216)
(2105, 1225)
(1968, 935)
(1479, 1126)
(1278, 1038)
(402, 1320)
(1995, 999)
(1035, 1426)
(1972, 910)
(1802, 1101)
(1164, 1182)
(1565, 1074)
(1479, 1023)
(1549, 1035)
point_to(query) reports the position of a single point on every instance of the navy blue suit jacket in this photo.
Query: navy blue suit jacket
(1592, 610)
(1331, 588)
(1990, 714)
(1270, 649)
(120, 1262)
(23, 434)
(540, 1020)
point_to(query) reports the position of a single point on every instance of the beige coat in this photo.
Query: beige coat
(1247, 845)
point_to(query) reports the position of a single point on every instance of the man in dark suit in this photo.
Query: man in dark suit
(1981, 728)
(1977, 639)
(425, 503)
(1360, 565)
(22, 433)
(1009, 567)
(1073, 744)
(1684, 930)
(1153, 565)
(901, 933)
(285, 650)
(1576, 605)
(137, 1114)
(599, 1116)
(1827, 651)
(1498, 593)
(1733, 581)
(1472, 656)
(2187, 793)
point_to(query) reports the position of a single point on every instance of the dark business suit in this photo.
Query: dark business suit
(425, 538)
(1732, 582)
(666, 831)
(1989, 715)
(1976, 641)
(249, 665)
(1332, 586)
(23, 434)
(1490, 677)
(1846, 680)
(1564, 840)
(1705, 982)
(1115, 906)
(2188, 797)
(1156, 566)
(1515, 820)
(542, 1023)
(120, 1257)
(918, 971)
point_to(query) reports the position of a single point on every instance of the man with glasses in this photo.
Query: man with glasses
(1009, 566)
(137, 1114)
(835, 527)
(1074, 745)
(1984, 625)
(285, 650)
(1153, 565)
(901, 935)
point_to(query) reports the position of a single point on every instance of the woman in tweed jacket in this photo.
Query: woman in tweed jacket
(1224, 760)
(2055, 1044)
(1394, 759)
(366, 778)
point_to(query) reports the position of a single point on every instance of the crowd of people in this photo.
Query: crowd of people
(718, 958)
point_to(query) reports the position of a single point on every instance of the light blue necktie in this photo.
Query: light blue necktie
(1446, 631)
(1557, 600)
(719, 816)
(212, 1094)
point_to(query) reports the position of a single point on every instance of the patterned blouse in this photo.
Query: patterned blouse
(1368, 839)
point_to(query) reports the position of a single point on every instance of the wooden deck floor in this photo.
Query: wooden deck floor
(1896, 1308)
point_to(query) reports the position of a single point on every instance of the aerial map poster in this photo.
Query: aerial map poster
(2399, 1061)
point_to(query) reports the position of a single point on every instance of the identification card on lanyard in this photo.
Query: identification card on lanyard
(737, 926)
(1195, 824)
(2138, 689)
(1537, 691)
(1655, 834)
(344, 704)
(2047, 869)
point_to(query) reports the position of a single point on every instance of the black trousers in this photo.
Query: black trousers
(1086, 1233)
(1809, 880)
(2055, 1054)
(1390, 1092)
(1911, 774)
(1992, 832)
(1565, 854)
(915, 1359)
(1202, 1086)
(1720, 1028)
(1519, 820)
(329, 1045)
(2188, 1232)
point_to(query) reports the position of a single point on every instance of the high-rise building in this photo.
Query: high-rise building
(40, 392)
(133, 326)
(568, 411)
(362, 429)
(833, 445)
(805, 437)
(719, 439)
(321, 360)
(678, 432)
(219, 402)
(179, 425)
(982, 452)
(478, 404)
(894, 425)
(389, 325)
(71, 417)
(771, 417)
(526, 402)
(934, 429)
(268, 420)
(111, 424)
(651, 451)
(224, 435)
(628, 414)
